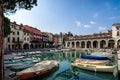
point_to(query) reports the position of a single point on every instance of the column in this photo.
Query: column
(79, 44)
(66, 44)
(70, 45)
(91, 44)
(98, 44)
(115, 46)
(85, 44)
(106, 43)
(75, 44)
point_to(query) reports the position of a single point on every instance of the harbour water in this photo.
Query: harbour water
(65, 59)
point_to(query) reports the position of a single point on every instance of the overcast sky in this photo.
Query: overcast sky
(77, 16)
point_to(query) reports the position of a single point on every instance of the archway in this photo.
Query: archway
(40, 46)
(82, 44)
(68, 44)
(31, 46)
(118, 44)
(77, 44)
(111, 43)
(95, 44)
(88, 44)
(26, 46)
(36, 46)
(102, 43)
(73, 44)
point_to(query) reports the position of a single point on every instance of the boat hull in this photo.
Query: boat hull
(96, 68)
(34, 74)
(37, 70)
(95, 57)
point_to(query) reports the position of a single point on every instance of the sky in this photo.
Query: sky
(81, 17)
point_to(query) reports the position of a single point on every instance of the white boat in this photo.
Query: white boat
(109, 55)
(93, 67)
(38, 69)
(90, 61)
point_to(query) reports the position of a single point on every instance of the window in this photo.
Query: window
(20, 27)
(17, 39)
(9, 47)
(13, 47)
(13, 40)
(12, 26)
(25, 39)
(13, 33)
(18, 33)
(8, 39)
(118, 33)
(117, 28)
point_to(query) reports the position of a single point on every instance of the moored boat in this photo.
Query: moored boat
(37, 70)
(93, 67)
(95, 57)
(91, 61)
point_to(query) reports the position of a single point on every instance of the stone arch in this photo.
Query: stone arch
(102, 43)
(26, 46)
(39, 45)
(88, 44)
(36, 46)
(73, 44)
(68, 44)
(95, 44)
(31, 46)
(118, 43)
(82, 44)
(77, 44)
(111, 43)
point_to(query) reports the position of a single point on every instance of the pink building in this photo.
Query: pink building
(36, 38)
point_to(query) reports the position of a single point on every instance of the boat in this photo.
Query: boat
(95, 57)
(94, 67)
(91, 61)
(82, 74)
(17, 62)
(38, 69)
(21, 67)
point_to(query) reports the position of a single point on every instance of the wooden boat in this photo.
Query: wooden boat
(93, 67)
(21, 67)
(90, 61)
(37, 70)
(17, 62)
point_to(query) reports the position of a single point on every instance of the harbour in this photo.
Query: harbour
(65, 58)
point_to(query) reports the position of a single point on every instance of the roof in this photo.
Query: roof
(116, 24)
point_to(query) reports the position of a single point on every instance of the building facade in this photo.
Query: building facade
(109, 39)
(24, 37)
(15, 40)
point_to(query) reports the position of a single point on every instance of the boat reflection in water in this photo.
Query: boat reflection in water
(66, 72)
(83, 75)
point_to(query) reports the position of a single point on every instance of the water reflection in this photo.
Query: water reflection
(65, 59)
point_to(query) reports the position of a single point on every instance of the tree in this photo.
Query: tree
(10, 6)
(6, 25)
